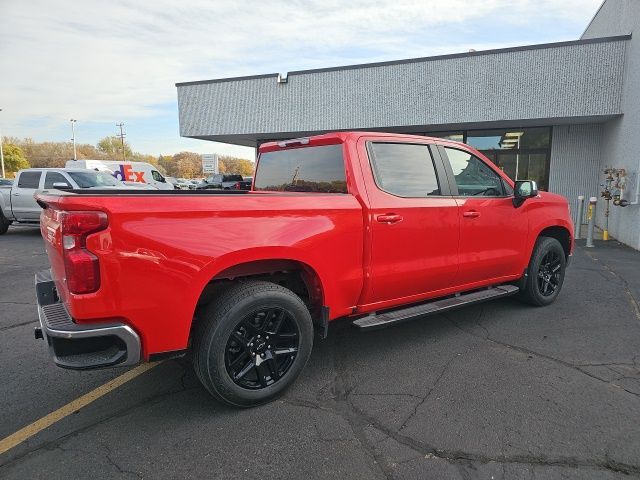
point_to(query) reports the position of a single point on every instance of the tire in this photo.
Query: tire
(258, 332)
(545, 273)
(4, 224)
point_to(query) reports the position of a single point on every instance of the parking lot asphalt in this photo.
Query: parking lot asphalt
(498, 391)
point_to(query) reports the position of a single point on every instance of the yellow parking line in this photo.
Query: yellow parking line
(73, 406)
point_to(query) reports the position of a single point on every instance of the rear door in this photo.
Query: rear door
(23, 204)
(414, 223)
(492, 230)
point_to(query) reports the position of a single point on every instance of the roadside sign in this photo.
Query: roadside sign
(210, 163)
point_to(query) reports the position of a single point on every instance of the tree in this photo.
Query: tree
(187, 164)
(112, 148)
(166, 165)
(241, 166)
(14, 158)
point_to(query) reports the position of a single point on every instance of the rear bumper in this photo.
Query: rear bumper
(82, 347)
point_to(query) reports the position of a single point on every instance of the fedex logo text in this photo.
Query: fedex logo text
(126, 174)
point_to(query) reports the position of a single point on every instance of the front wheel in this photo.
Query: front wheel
(545, 272)
(253, 342)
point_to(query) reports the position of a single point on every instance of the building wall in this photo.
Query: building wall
(573, 80)
(576, 152)
(621, 142)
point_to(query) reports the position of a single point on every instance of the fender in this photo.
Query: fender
(539, 220)
(329, 290)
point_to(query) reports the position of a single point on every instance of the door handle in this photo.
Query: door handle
(389, 218)
(471, 214)
(16, 194)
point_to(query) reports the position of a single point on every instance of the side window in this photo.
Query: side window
(473, 177)
(29, 180)
(54, 177)
(157, 176)
(404, 169)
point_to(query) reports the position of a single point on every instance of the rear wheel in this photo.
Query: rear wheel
(253, 342)
(4, 224)
(545, 272)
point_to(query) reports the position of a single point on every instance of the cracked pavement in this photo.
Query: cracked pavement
(498, 391)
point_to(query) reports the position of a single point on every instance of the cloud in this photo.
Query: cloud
(105, 61)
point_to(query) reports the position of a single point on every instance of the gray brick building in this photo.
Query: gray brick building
(558, 113)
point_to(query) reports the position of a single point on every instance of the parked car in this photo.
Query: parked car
(379, 228)
(6, 182)
(220, 181)
(17, 203)
(183, 183)
(245, 184)
(173, 181)
(139, 172)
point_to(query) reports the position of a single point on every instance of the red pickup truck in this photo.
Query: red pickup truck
(380, 228)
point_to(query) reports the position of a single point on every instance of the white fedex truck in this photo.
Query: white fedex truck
(138, 172)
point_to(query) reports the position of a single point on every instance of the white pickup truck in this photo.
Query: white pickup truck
(18, 205)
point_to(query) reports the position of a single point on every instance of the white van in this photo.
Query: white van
(140, 172)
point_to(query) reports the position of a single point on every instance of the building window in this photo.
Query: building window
(522, 153)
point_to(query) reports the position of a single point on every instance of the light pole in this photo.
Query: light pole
(73, 136)
(1, 153)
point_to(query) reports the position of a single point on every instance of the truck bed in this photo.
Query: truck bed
(162, 248)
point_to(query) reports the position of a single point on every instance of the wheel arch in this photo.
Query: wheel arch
(560, 233)
(282, 268)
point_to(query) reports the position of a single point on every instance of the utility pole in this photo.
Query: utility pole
(1, 153)
(73, 137)
(122, 135)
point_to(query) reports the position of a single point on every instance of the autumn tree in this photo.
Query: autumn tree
(14, 158)
(187, 164)
(166, 165)
(112, 148)
(240, 166)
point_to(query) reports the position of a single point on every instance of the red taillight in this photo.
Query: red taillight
(82, 269)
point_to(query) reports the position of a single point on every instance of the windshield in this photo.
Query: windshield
(308, 169)
(91, 179)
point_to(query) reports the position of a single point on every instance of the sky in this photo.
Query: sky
(104, 63)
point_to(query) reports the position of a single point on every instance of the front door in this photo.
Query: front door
(414, 224)
(492, 230)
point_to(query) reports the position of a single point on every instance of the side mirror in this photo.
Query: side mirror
(522, 190)
(62, 186)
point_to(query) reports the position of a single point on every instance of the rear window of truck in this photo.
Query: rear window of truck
(307, 169)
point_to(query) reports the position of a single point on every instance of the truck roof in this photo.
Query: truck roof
(53, 169)
(340, 137)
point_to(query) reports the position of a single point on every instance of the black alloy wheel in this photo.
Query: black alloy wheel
(262, 348)
(251, 342)
(545, 273)
(548, 277)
